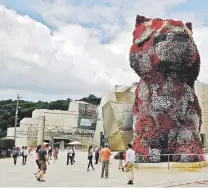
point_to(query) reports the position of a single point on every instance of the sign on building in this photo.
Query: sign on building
(87, 116)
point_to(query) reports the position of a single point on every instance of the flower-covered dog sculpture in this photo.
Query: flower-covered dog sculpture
(168, 115)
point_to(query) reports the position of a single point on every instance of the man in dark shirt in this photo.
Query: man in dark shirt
(42, 154)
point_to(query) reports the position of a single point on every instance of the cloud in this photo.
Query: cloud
(72, 61)
(109, 17)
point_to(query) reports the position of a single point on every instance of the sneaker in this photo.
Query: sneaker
(88, 170)
(101, 176)
(106, 177)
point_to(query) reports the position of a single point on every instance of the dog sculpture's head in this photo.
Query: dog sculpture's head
(164, 46)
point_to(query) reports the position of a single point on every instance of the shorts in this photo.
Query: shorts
(130, 167)
(43, 165)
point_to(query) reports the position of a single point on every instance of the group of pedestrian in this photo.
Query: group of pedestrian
(102, 155)
(52, 152)
(129, 158)
(20, 152)
(105, 153)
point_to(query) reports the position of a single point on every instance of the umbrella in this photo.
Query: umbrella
(75, 143)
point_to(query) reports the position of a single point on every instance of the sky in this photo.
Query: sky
(59, 49)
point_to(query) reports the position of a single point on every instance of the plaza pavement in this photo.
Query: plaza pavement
(60, 175)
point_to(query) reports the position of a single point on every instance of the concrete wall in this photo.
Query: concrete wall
(63, 119)
(74, 106)
(99, 128)
(202, 94)
(28, 121)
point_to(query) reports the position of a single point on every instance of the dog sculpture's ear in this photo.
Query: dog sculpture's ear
(141, 19)
(189, 26)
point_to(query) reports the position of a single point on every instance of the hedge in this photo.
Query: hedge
(6, 143)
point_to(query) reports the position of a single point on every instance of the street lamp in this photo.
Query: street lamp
(16, 117)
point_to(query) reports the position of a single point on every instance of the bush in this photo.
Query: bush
(6, 143)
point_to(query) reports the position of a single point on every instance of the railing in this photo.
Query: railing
(171, 158)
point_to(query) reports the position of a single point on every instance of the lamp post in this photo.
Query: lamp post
(16, 117)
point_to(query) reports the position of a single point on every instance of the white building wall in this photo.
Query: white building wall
(29, 121)
(59, 118)
(10, 132)
(74, 106)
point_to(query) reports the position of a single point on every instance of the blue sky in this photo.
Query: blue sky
(23, 7)
(195, 7)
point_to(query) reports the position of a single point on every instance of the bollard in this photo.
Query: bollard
(200, 161)
(168, 163)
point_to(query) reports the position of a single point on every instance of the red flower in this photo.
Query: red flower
(165, 122)
(156, 24)
(139, 30)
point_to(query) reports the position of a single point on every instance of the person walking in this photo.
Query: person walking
(69, 155)
(121, 158)
(105, 158)
(42, 153)
(50, 152)
(90, 157)
(54, 155)
(129, 164)
(24, 155)
(15, 155)
(37, 162)
(97, 155)
(57, 152)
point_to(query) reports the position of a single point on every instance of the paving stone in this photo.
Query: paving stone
(61, 175)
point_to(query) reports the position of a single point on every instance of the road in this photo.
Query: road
(61, 175)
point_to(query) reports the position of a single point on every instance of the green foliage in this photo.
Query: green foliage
(8, 108)
(92, 99)
(6, 143)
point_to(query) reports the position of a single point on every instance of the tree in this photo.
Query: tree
(92, 99)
